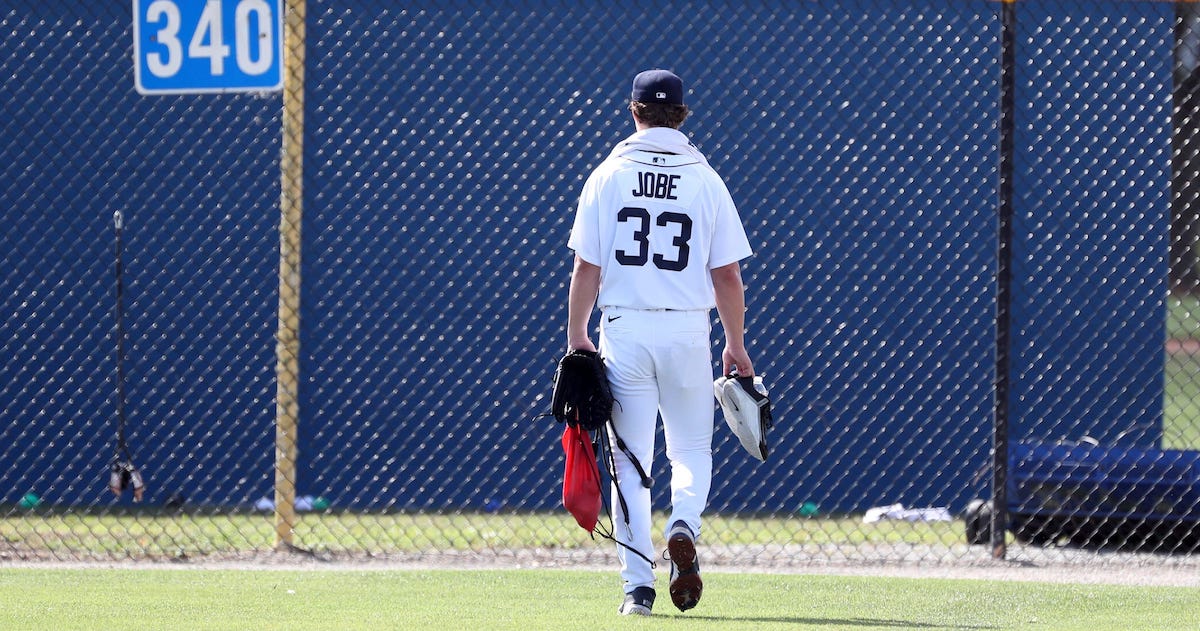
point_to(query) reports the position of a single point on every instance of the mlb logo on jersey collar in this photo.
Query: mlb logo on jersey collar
(657, 159)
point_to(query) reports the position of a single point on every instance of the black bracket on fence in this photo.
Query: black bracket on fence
(123, 474)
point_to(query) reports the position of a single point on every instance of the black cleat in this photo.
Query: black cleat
(639, 602)
(686, 585)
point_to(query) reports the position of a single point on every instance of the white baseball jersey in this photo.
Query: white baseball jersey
(656, 223)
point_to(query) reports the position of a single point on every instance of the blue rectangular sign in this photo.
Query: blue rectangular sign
(195, 46)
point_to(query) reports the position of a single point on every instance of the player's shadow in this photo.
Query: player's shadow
(841, 623)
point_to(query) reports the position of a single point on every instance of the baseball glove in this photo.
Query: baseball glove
(581, 393)
(747, 411)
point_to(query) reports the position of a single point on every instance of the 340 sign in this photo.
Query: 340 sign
(191, 46)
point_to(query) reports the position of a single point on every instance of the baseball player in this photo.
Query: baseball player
(657, 242)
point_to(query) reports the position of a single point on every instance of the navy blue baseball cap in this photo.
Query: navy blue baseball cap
(658, 86)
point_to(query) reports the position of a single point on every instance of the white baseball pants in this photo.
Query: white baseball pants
(658, 362)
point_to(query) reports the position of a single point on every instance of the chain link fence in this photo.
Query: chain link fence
(342, 304)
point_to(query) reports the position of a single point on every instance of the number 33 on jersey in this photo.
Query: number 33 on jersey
(671, 228)
(656, 224)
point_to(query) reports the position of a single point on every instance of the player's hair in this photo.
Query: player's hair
(659, 114)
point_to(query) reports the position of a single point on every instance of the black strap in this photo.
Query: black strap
(610, 465)
(647, 481)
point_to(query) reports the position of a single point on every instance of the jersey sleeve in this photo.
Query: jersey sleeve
(585, 232)
(729, 242)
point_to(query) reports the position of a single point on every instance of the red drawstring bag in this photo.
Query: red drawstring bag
(581, 479)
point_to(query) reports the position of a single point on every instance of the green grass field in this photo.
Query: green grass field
(297, 600)
(64, 534)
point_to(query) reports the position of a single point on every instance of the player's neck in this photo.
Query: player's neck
(643, 127)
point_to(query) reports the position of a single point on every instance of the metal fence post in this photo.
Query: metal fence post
(288, 335)
(999, 512)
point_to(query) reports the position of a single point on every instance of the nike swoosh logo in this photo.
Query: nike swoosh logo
(611, 318)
